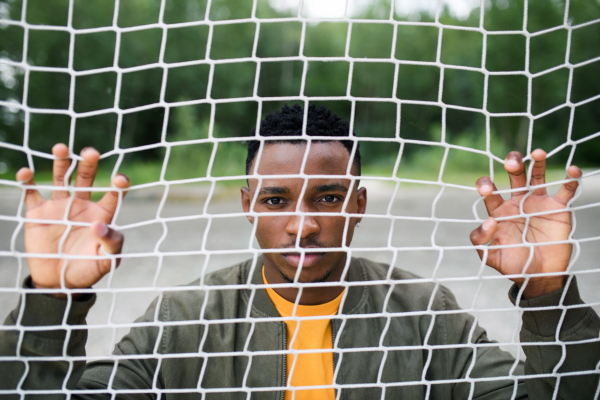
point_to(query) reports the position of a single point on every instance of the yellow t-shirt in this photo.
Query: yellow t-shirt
(311, 368)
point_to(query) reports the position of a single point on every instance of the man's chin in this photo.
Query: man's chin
(307, 277)
(314, 273)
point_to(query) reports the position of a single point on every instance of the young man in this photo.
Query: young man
(357, 329)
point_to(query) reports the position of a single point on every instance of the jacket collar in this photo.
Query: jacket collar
(264, 307)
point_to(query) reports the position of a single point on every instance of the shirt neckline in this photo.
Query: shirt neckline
(286, 308)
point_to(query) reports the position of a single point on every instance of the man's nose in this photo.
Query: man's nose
(303, 227)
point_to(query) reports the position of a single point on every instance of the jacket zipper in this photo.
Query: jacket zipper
(283, 381)
(332, 353)
(284, 360)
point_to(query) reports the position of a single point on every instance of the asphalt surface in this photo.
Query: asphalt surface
(139, 279)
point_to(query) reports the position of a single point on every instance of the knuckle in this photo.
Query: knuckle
(61, 166)
(538, 176)
(86, 174)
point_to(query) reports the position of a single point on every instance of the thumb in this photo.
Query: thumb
(484, 233)
(110, 239)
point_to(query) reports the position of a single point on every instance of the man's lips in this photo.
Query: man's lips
(310, 258)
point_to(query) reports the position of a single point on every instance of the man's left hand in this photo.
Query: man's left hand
(539, 232)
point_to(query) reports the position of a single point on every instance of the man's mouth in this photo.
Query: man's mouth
(310, 258)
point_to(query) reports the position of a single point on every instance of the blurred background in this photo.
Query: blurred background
(130, 82)
(562, 67)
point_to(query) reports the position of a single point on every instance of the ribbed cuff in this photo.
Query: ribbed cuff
(45, 310)
(545, 322)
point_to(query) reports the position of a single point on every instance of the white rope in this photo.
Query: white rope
(397, 251)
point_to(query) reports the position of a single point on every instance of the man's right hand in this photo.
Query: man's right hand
(95, 240)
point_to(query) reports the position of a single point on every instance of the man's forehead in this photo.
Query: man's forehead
(287, 185)
(324, 158)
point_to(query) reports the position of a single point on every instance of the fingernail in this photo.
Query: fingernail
(487, 224)
(101, 229)
(125, 177)
(512, 163)
(486, 188)
(90, 151)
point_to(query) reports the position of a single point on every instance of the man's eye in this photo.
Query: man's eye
(330, 198)
(274, 201)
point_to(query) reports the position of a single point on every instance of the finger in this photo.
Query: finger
(33, 198)
(110, 200)
(485, 187)
(86, 171)
(513, 164)
(111, 240)
(484, 233)
(538, 174)
(567, 190)
(59, 169)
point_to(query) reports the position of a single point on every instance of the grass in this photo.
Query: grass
(424, 164)
(452, 175)
(140, 173)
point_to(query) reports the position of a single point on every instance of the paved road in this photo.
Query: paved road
(483, 296)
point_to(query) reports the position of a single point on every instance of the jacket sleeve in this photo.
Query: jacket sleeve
(38, 351)
(131, 371)
(560, 338)
(568, 365)
(480, 369)
(52, 359)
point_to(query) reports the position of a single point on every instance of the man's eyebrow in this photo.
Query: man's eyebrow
(274, 190)
(331, 187)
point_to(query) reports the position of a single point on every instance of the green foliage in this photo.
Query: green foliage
(94, 50)
(98, 90)
(279, 39)
(423, 49)
(177, 11)
(372, 79)
(49, 90)
(131, 54)
(380, 37)
(232, 41)
(334, 46)
(191, 160)
(48, 48)
(498, 46)
(418, 82)
(186, 44)
(47, 12)
(92, 13)
(281, 78)
(455, 52)
(189, 82)
(424, 162)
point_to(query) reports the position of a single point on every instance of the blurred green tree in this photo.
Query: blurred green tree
(152, 77)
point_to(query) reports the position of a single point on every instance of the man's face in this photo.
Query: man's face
(322, 195)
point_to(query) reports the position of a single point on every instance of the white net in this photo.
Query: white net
(181, 217)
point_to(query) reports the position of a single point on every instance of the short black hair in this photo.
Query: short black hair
(288, 122)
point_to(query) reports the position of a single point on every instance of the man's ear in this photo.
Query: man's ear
(246, 202)
(361, 202)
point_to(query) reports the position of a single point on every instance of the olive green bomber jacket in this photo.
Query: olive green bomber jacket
(405, 350)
